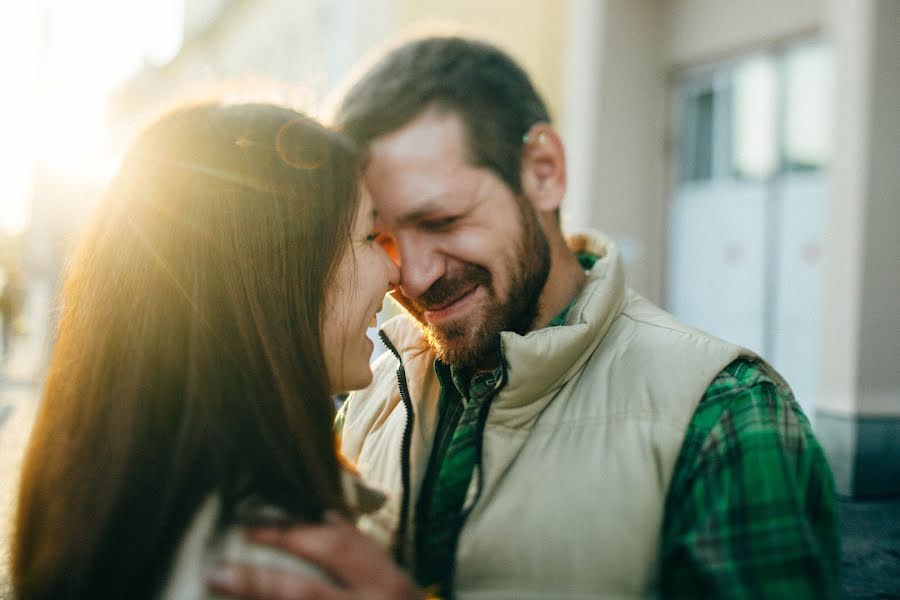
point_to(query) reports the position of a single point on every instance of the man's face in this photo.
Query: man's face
(473, 257)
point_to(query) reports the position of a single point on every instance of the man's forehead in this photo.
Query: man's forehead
(434, 132)
(414, 194)
(421, 169)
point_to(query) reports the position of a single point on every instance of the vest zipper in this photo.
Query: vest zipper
(400, 543)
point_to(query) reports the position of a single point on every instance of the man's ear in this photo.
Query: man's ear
(543, 167)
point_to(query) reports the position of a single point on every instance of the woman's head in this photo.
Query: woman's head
(279, 197)
(364, 275)
(189, 354)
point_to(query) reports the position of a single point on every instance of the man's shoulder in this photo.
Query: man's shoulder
(749, 406)
(746, 373)
(652, 318)
(754, 397)
(645, 334)
(748, 410)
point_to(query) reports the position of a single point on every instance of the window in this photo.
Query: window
(754, 148)
(758, 116)
(808, 106)
(697, 140)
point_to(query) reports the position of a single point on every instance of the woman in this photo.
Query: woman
(220, 298)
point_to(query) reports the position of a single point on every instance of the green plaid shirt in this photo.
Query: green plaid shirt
(750, 511)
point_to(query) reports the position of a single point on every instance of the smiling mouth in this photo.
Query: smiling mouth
(441, 312)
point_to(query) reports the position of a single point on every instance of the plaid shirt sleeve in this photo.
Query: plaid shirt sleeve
(751, 510)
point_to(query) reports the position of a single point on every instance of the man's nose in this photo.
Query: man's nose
(420, 266)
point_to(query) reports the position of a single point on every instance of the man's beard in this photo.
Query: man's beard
(469, 343)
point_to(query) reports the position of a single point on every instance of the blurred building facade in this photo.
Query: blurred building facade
(311, 46)
(745, 155)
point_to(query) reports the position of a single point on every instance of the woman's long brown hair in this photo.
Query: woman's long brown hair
(188, 359)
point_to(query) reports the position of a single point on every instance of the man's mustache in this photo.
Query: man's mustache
(445, 289)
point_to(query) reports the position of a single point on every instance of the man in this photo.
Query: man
(543, 431)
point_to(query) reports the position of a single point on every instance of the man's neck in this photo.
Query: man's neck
(564, 282)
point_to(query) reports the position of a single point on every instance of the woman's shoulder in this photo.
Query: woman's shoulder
(205, 544)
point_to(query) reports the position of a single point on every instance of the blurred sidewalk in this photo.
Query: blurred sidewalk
(870, 549)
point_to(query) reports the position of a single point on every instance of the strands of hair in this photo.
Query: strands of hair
(188, 358)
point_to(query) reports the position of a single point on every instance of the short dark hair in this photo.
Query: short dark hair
(483, 85)
(189, 355)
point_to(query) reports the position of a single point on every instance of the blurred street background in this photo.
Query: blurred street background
(743, 155)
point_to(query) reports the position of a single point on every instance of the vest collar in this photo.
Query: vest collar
(555, 353)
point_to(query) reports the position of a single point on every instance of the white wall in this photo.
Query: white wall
(880, 319)
(615, 111)
(862, 347)
(848, 29)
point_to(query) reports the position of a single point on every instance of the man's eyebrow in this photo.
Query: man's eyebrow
(428, 208)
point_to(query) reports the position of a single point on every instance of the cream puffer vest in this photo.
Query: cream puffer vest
(578, 447)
